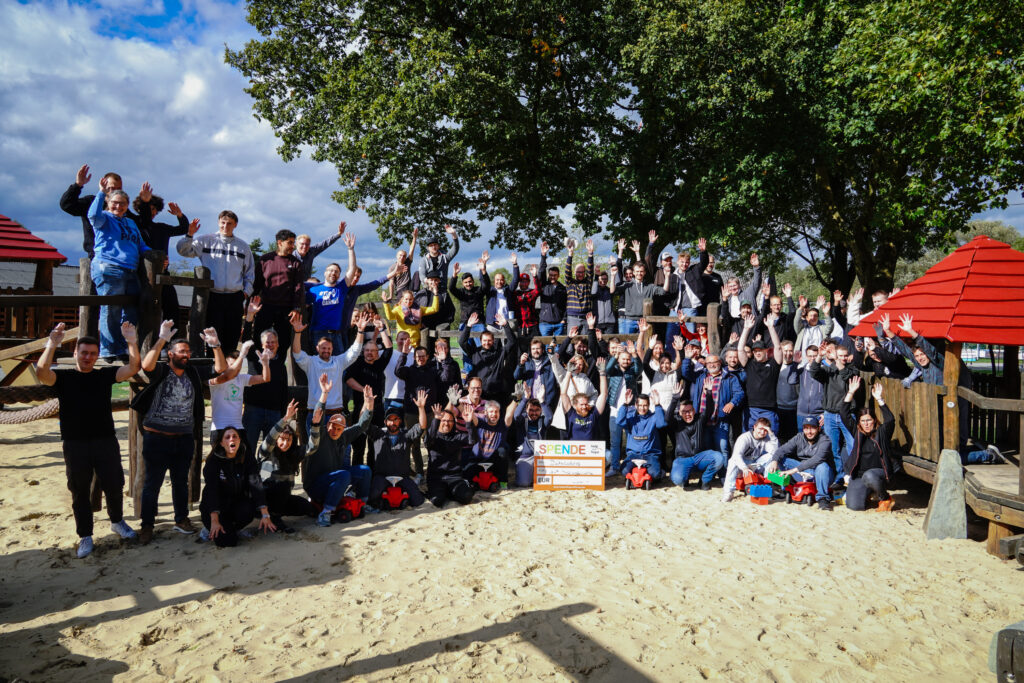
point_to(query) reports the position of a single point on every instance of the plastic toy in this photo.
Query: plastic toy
(485, 481)
(350, 508)
(639, 477)
(761, 494)
(394, 497)
(779, 479)
(798, 491)
(749, 479)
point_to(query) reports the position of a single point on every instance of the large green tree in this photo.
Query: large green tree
(851, 131)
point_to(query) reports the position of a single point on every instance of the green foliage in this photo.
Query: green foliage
(256, 247)
(859, 131)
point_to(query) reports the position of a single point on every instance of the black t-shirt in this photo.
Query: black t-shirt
(85, 403)
(870, 456)
(762, 384)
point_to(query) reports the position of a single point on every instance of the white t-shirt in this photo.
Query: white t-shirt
(226, 402)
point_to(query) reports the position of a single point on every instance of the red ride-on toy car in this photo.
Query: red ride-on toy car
(350, 508)
(799, 490)
(749, 479)
(394, 497)
(639, 477)
(485, 481)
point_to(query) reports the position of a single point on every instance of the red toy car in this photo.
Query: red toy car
(485, 481)
(639, 477)
(349, 509)
(394, 497)
(798, 490)
(749, 479)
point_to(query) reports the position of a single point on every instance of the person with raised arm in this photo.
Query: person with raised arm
(306, 251)
(763, 370)
(171, 413)
(526, 293)
(89, 442)
(445, 444)
(284, 450)
(233, 493)
(435, 262)
(227, 391)
(389, 453)
(869, 465)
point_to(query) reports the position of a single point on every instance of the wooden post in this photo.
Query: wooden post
(44, 283)
(714, 321)
(996, 532)
(197, 316)
(151, 300)
(950, 409)
(88, 316)
(136, 465)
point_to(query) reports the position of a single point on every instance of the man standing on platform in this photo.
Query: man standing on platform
(306, 252)
(279, 286)
(87, 428)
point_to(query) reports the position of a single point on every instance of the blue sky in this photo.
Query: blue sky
(140, 87)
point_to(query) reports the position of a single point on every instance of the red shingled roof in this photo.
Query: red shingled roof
(976, 294)
(18, 244)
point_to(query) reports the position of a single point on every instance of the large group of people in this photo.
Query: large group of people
(545, 355)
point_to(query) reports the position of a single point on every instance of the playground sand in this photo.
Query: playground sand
(613, 586)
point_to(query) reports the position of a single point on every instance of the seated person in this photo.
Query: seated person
(491, 443)
(582, 418)
(444, 457)
(807, 455)
(389, 453)
(233, 493)
(327, 472)
(869, 465)
(752, 453)
(641, 425)
(531, 421)
(692, 444)
(283, 449)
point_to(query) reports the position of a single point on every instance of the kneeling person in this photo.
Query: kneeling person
(689, 439)
(752, 453)
(806, 455)
(233, 494)
(389, 453)
(642, 425)
(491, 444)
(444, 451)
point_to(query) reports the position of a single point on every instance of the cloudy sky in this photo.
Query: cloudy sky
(141, 87)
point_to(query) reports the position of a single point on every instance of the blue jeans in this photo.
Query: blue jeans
(822, 477)
(709, 463)
(114, 280)
(834, 428)
(161, 453)
(754, 414)
(257, 423)
(652, 461)
(330, 488)
(720, 437)
(551, 329)
(335, 337)
(976, 458)
(627, 326)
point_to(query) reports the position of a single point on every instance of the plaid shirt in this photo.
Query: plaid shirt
(577, 294)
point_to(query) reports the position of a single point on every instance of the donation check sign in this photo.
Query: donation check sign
(568, 465)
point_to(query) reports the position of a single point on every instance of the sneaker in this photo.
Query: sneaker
(145, 535)
(248, 532)
(612, 472)
(324, 518)
(886, 505)
(705, 486)
(123, 530)
(728, 496)
(184, 526)
(84, 546)
(823, 504)
(204, 535)
(996, 454)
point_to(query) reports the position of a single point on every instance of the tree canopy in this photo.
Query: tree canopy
(851, 131)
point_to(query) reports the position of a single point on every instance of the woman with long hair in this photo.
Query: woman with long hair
(233, 493)
(284, 450)
(869, 466)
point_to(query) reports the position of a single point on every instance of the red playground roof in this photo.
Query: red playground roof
(976, 294)
(18, 244)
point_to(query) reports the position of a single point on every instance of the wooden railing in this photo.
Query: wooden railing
(918, 431)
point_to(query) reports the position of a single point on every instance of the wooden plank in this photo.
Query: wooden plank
(997, 531)
(52, 301)
(197, 316)
(993, 510)
(950, 411)
(36, 345)
(1001, 478)
(184, 281)
(919, 469)
(714, 338)
(1008, 404)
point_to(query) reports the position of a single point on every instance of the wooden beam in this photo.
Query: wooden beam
(714, 325)
(36, 345)
(997, 531)
(197, 316)
(88, 317)
(950, 411)
(1011, 405)
(52, 301)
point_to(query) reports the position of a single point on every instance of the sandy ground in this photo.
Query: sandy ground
(613, 586)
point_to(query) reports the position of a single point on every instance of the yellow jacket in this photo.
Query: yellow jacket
(394, 312)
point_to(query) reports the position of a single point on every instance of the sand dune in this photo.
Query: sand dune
(613, 586)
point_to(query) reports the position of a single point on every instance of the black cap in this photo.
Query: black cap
(759, 344)
(810, 420)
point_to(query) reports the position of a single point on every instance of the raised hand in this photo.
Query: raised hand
(590, 247)
(544, 248)
(173, 209)
(514, 259)
(907, 324)
(533, 271)
(631, 347)
(655, 398)
(368, 397)
(826, 309)
(246, 345)
(802, 301)
(733, 338)
(702, 244)
(474, 318)
(884, 320)
(628, 398)
(83, 176)
(167, 330)
(681, 316)
(819, 303)
(450, 230)
(129, 333)
(264, 355)
(421, 398)
(57, 334)
(652, 236)
(837, 296)
(254, 306)
(574, 331)
(857, 296)
(454, 394)
(500, 320)
(146, 192)
(755, 261)
(341, 227)
(296, 321)
(894, 292)
(456, 268)
(635, 246)
(854, 385)
(725, 294)
(293, 410)
(772, 319)
(350, 241)
(591, 320)
(438, 410)
(621, 244)
(209, 335)
(642, 324)
(677, 343)
(523, 358)
(766, 289)
(749, 322)
(385, 295)
(485, 256)
(193, 227)
(877, 391)
(787, 290)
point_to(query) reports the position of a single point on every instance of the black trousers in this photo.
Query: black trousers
(82, 459)
(870, 481)
(235, 515)
(225, 316)
(281, 502)
(277, 318)
(440, 489)
(379, 484)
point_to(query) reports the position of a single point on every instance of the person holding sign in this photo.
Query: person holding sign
(529, 425)
(641, 425)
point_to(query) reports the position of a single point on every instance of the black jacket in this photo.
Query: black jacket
(474, 300)
(882, 437)
(445, 451)
(836, 383)
(228, 480)
(493, 366)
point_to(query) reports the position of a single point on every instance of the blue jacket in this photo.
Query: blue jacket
(527, 372)
(118, 240)
(642, 430)
(616, 377)
(730, 391)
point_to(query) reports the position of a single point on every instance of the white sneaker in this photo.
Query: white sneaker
(84, 547)
(728, 496)
(123, 530)
(996, 454)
